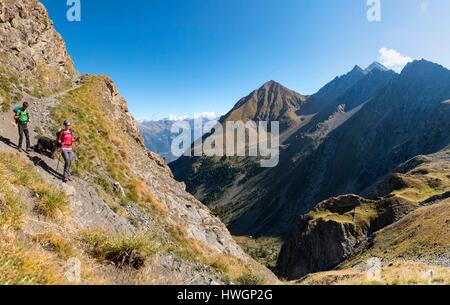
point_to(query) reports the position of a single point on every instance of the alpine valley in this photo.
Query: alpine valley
(362, 162)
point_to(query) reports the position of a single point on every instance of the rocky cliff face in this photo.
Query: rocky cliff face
(121, 191)
(31, 49)
(331, 232)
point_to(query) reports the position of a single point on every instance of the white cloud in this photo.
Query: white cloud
(392, 59)
(424, 7)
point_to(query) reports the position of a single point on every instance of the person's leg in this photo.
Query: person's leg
(66, 163)
(19, 126)
(27, 136)
(69, 166)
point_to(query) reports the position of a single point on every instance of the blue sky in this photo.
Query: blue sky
(181, 57)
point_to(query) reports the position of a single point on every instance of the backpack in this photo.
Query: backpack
(57, 138)
(15, 110)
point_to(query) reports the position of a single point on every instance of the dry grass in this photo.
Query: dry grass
(23, 264)
(11, 208)
(398, 273)
(23, 261)
(48, 81)
(17, 172)
(56, 243)
(362, 215)
(138, 192)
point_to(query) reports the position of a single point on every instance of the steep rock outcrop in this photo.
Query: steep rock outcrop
(31, 49)
(331, 232)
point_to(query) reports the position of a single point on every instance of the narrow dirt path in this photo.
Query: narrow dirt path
(49, 168)
(87, 209)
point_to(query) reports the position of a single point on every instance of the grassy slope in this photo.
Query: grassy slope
(21, 261)
(398, 273)
(8, 92)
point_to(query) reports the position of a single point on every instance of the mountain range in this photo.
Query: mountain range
(343, 139)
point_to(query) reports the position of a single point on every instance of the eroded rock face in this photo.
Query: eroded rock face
(330, 233)
(31, 49)
(182, 208)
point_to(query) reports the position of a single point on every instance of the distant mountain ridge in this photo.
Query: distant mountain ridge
(158, 136)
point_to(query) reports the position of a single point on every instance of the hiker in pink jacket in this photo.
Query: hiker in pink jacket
(65, 140)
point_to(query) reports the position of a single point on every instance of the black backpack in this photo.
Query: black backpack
(57, 138)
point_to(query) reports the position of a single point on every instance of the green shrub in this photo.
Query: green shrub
(121, 251)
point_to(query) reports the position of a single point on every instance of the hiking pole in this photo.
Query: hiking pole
(59, 161)
(77, 160)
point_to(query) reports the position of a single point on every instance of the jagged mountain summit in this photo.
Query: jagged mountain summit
(271, 102)
(123, 217)
(375, 66)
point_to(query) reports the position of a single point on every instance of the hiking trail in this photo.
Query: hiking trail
(87, 209)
